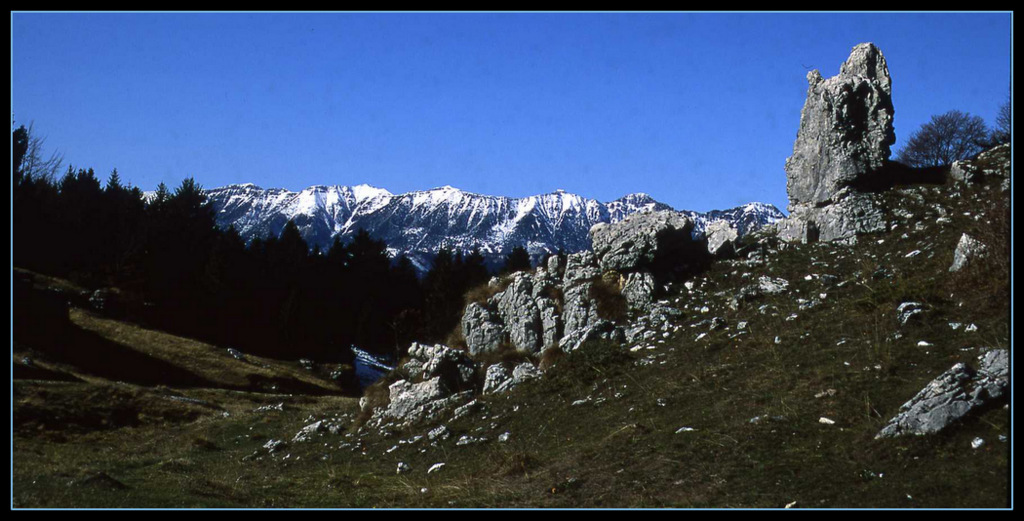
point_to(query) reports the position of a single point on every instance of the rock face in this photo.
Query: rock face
(482, 329)
(518, 309)
(844, 142)
(523, 316)
(951, 396)
(639, 290)
(556, 304)
(845, 128)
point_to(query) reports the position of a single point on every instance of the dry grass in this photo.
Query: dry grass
(607, 295)
(550, 357)
(482, 294)
(212, 364)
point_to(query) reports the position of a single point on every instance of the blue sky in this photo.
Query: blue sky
(698, 110)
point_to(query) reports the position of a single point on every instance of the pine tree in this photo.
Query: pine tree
(517, 260)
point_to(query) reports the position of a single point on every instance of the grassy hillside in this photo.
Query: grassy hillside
(776, 403)
(94, 348)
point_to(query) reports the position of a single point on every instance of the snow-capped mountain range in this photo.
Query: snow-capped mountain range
(418, 224)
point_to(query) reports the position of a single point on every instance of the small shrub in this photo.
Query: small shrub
(201, 442)
(550, 357)
(611, 305)
(506, 354)
(483, 293)
(456, 340)
(377, 396)
(595, 359)
(987, 279)
(515, 462)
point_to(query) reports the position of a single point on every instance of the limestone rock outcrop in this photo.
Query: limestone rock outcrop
(518, 310)
(631, 244)
(845, 128)
(482, 329)
(557, 304)
(968, 249)
(438, 378)
(846, 131)
(721, 237)
(951, 396)
(992, 163)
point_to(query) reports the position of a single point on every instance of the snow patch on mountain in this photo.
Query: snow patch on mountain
(417, 224)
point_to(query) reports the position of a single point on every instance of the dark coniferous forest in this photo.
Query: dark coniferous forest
(170, 267)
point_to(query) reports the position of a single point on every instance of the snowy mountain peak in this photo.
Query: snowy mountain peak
(418, 224)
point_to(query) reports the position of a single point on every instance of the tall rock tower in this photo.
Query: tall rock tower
(845, 134)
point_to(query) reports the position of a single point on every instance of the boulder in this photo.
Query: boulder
(721, 238)
(632, 243)
(909, 310)
(845, 129)
(411, 402)
(964, 172)
(601, 329)
(968, 249)
(525, 371)
(770, 286)
(454, 367)
(951, 396)
(497, 379)
(500, 379)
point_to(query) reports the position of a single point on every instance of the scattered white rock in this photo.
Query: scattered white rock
(967, 251)
(435, 468)
(266, 408)
(275, 445)
(976, 443)
(908, 310)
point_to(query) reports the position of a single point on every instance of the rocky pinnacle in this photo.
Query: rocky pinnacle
(845, 129)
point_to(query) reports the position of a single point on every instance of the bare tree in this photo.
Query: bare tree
(32, 163)
(1004, 122)
(946, 138)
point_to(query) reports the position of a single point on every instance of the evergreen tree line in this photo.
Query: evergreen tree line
(177, 271)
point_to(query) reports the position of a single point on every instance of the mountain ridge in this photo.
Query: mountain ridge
(419, 223)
